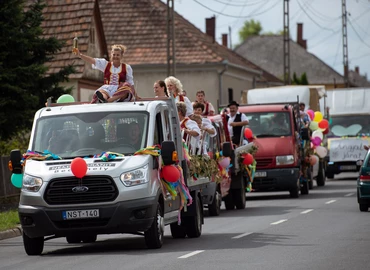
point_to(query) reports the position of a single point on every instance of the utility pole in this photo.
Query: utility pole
(171, 59)
(345, 42)
(286, 44)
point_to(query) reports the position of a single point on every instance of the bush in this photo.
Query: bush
(20, 141)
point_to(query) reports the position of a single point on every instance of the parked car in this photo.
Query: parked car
(363, 185)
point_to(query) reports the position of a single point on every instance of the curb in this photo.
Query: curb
(17, 231)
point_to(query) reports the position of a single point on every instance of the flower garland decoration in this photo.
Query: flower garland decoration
(107, 156)
(248, 164)
(202, 165)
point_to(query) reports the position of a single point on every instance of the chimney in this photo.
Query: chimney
(211, 27)
(357, 69)
(300, 41)
(224, 40)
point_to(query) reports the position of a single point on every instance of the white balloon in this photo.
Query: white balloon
(321, 151)
(317, 133)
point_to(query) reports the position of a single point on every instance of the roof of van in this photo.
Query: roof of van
(348, 101)
(264, 108)
(71, 108)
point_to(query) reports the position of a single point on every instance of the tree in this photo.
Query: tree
(249, 28)
(24, 82)
(300, 81)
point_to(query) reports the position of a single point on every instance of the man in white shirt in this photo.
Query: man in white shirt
(236, 121)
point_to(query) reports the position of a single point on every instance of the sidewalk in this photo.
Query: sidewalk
(17, 231)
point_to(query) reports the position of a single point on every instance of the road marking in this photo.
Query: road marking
(329, 202)
(241, 235)
(306, 211)
(190, 254)
(349, 195)
(278, 222)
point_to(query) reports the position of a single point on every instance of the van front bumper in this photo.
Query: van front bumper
(123, 217)
(276, 179)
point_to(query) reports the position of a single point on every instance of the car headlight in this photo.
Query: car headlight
(135, 177)
(284, 160)
(31, 183)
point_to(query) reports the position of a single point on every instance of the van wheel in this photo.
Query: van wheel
(305, 188)
(33, 246)
(194, 224)
(329, 176)
(73, 239)
(239, 196)
(229, 202)
(91, 238)
(215, 207)
(320, 180)
(177, 231)
(154, 235)
(363, 207)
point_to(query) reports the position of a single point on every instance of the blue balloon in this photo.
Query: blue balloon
(17, 179)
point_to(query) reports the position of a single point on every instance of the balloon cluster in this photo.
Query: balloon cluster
(320, 127)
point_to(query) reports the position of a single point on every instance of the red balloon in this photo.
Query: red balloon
(326, 131)
(79, 167)
(170, 173)
(248, 133)
(323, 124)
(248, 159)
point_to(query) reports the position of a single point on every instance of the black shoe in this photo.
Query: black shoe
(100, 97)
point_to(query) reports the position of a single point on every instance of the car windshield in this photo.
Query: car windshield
(269, 124)
(89, 134)
(350, 125)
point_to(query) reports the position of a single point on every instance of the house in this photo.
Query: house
(140, 25)
(267, 52)
(356, 79)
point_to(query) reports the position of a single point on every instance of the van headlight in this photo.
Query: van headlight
(284, 160)
(31, 183)
(135, 177)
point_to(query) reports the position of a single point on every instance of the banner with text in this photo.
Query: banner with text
(348, 149)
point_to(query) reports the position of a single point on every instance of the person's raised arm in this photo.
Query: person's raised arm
(85, 57)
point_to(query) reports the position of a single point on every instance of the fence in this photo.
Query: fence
(6, 187)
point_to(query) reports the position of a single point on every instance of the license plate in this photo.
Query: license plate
(348, 167)
(79, 214)
(260, 174)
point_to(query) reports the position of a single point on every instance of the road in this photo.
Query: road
(322, 230)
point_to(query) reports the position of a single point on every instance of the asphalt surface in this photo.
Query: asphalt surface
(322, 230)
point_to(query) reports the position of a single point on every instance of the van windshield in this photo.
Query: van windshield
(89, 134)
(349, 125)
(269, 124)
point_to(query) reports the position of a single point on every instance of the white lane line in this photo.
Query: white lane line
(329, 202)
(241, 235)
(190, 254)
(278, 222)
(306, 211)
(349, 195)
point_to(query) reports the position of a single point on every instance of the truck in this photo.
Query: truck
(122, 190)
(280, 154)
(349, 115)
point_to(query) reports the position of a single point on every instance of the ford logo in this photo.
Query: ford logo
(80, 189)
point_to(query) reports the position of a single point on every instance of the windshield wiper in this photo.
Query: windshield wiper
(267, 135)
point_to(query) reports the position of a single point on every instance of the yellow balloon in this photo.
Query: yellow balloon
(318, 117)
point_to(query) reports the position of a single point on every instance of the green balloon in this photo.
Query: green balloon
(65, 99)
(17, 179)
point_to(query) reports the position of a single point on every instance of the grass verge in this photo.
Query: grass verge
(8, 220)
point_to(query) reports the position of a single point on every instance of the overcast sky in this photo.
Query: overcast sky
(322, 24)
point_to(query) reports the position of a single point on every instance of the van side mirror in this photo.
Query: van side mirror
(168, 152)
(226, 149)
(15, 161)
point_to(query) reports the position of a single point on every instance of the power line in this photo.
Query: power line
(361, 56)
(233, 16)
(337, 52)
(320, 42)
(238, 5)
(359, 37)
(324, 28)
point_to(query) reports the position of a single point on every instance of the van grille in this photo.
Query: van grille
(100, 189)
(263, 162)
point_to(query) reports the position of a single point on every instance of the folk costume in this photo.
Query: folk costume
(187, 123)
(117, 80)
(189, 106)
(235, 132)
